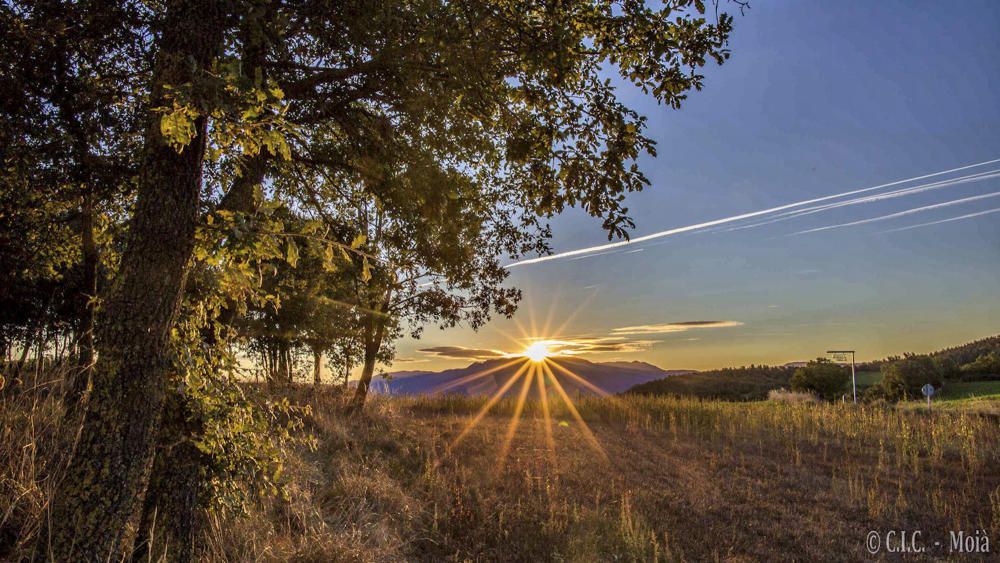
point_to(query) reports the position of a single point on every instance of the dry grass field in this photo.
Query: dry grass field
(653, 479)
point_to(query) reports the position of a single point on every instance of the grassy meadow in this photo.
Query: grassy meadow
(647, 479)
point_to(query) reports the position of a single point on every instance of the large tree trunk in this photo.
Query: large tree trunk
(110, 466)
(169, 512)
(166, 528)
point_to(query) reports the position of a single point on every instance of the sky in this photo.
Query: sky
(818, 99)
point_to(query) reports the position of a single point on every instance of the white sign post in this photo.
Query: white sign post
(840, 356)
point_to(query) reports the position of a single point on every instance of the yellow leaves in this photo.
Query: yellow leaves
(275, 91)
(328, 263)
(292, 253)
(276, 144)
(366, 274)
(177, 126)
(358, 241)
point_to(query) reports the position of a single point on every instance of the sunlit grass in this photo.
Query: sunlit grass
(394, 485)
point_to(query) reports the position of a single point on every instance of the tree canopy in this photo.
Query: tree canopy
(253, 169)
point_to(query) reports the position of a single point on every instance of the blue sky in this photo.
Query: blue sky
(818, 98)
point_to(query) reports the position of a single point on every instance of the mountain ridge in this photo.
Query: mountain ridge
(575, 375)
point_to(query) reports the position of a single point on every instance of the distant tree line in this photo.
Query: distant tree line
(902, 376)
(748, 383)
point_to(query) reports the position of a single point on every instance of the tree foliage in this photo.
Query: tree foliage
(182, 180)
(902, 379)
(821, 377)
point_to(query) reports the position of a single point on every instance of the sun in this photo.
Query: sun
(537, 352)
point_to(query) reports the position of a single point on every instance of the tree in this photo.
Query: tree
(91, 506)
(505, 101)
(821, 377)
(986, 364)
(67, 141)
(946, 367)
(903, 378)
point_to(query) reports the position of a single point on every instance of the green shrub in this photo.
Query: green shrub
(821, 377)
(947, 368)
(903, 378)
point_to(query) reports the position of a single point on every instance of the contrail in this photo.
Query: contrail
(959, 218)
(873, 198)
(734, 218)
(901, 213)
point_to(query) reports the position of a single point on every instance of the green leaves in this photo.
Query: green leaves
(177, 126)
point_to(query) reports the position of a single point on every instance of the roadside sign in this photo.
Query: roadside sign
(927, 390)
(840, 357)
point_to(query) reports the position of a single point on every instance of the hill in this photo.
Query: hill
(754, 382)
(729, 384)
(488, 377)
(961, 355)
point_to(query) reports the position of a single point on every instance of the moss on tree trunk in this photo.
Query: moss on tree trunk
(112, 459)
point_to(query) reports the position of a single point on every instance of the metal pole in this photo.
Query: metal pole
(854, 381)
(839, 354)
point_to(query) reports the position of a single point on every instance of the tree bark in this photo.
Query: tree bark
(80, 378)
(166, 530)
(92, 504)
(317, 366)
(374, 333)
(169, 512)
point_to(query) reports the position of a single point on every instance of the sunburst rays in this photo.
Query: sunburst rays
(587, 433)
(541, 375)
(536, 366)
(489, 405)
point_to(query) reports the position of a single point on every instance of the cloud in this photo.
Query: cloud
(462, 353)
(409, 360)
(597, 345)
(667, 328)
(977, 177)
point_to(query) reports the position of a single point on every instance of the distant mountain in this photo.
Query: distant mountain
(488, 377)
(641, 366)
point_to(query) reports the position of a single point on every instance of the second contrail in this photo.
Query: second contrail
(732, 219)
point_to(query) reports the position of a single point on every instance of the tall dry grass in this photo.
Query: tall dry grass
(765, 480)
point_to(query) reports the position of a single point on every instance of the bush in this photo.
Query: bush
(903, 379)
(786, 396)
(874, 394)
(947, 368)
(821, 377)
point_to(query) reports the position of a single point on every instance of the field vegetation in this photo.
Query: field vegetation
(663, 479)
